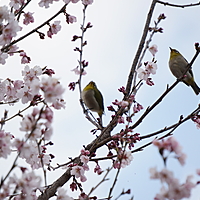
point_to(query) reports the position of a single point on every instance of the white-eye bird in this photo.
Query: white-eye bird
(178, 65)
(93, 99)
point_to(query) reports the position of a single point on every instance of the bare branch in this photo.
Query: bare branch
(180, 6)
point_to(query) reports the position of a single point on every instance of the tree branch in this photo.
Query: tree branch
(180, 6)
(5, 48)
(141, 45)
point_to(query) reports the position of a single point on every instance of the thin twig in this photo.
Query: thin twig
(177, 5)
(103, 180)
(6, 48)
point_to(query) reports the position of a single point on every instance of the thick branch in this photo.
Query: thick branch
(141, 45)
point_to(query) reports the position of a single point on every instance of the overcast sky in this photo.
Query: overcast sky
(112, 43)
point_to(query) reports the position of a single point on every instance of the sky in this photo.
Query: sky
(112, 43)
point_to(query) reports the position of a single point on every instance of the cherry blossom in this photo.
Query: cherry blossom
(171, 145)
(58, 104)
(124, 159)
(78, 72)
(153, 49)
(16, 4)
(62, 194)
(5, 143)
(151, 67)
(142, 74)
(3, 57)
(28, 18)
(54, 29)
(52, 89)
(26, 185)
(25, 94)
(87, 2)
(174, 189)
(78, 172)
(72, 19)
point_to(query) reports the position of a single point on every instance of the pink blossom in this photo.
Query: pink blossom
(45, 3)
(72, 19)
(25, 94)
(5, 143)
(87, 2)
(78, 72)
(10, 92)
(3, 57)
(137, 107)
(9, 32)
(149, 82)
(16, 4)
(3, 89)
(171, 145)
(25, 58)
(74, 1)
(121, 103)
(28, 18)
(26, 185)
(54, 29)
(151, 67)
(85, 152)
(12, 49)
(153, 49)
(29, 152)
(52, 89)
(5, 15)
(30, 74)
(84, 159)
(66, 1)
(175, 190)
(142, 74)
(58, 104)
(78, 172)
(98, 170)
(124, 159)
(62, 194)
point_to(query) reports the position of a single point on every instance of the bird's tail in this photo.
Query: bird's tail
(196, 88)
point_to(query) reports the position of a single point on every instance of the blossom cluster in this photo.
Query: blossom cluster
(23, 187)
(5, 143)
(124, 159)
(124, 137)
(125, 104)
(31, 87)
(150, 67)
(170, 145)
(46, 3)
(79, 171)
(171, 188)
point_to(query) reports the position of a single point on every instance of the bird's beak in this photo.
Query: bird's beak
(170, 48)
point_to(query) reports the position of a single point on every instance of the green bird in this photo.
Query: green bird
(178, 65)
(93, 99)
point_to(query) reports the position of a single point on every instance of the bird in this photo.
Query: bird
(178, 66)
(93, 99)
